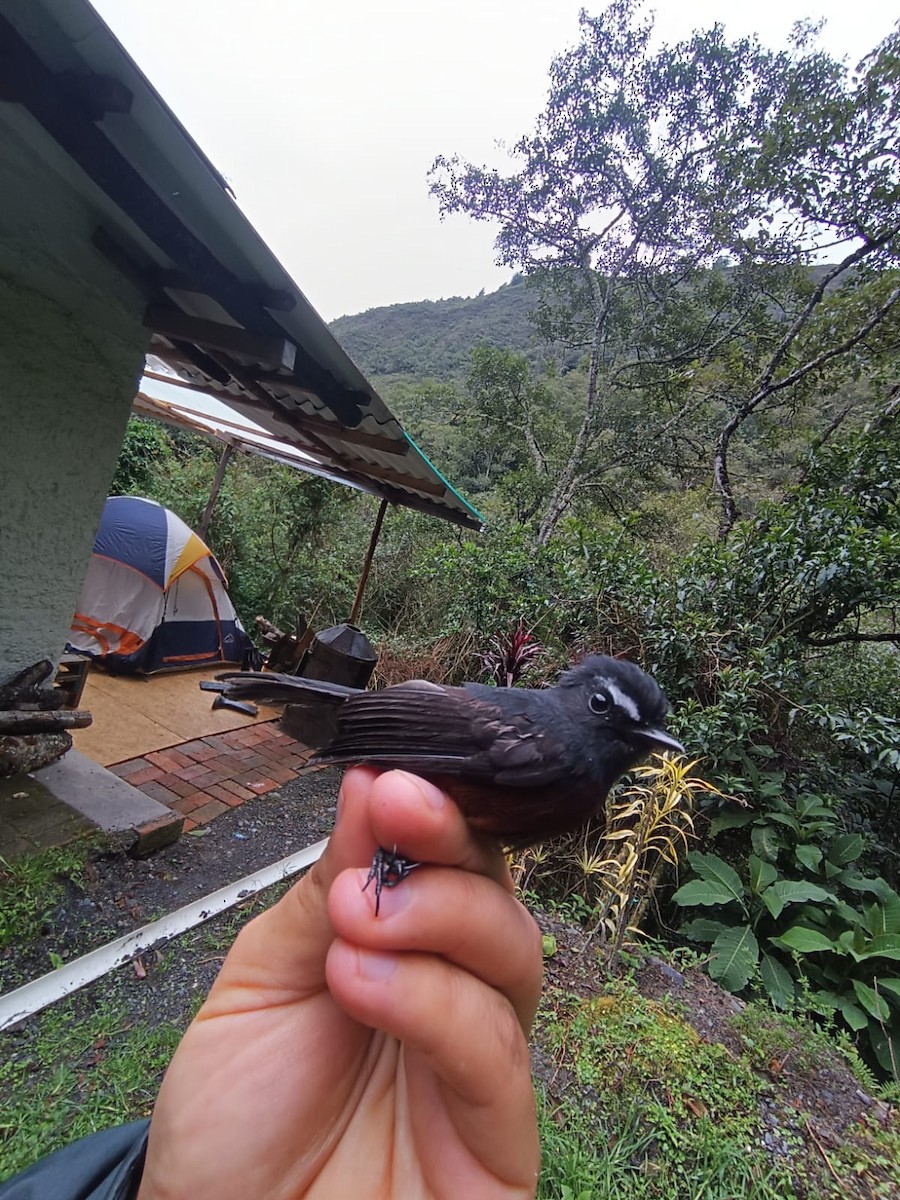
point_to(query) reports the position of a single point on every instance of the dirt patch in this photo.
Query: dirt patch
(118, 894)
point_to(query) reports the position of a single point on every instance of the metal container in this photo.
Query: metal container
(342, 654)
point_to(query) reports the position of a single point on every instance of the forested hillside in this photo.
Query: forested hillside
(435, 338)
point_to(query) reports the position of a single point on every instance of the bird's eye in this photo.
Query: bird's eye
(599, 703)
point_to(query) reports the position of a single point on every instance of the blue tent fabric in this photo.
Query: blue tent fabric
(154, 598)
(134, 532)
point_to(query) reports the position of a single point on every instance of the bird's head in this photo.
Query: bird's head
(619, 699)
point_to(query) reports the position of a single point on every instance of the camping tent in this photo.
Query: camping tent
(154, 598)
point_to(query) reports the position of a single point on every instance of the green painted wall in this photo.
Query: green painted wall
(71, 351)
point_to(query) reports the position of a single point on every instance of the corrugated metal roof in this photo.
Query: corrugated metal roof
(224, 313)
(209, 417)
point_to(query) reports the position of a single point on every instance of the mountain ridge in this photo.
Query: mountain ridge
(435, 338)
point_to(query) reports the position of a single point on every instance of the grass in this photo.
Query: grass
(655, 1113)
(586, 1160)
(635, 1106)
(76, 1074)
(31, 887)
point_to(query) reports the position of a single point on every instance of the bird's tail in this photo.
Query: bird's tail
(268, 687)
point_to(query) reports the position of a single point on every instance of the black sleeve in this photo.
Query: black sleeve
(104, 1166)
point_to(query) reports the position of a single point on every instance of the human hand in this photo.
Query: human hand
(343, 1055)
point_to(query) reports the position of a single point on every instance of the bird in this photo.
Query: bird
(523, 764)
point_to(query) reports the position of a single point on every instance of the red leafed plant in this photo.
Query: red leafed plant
(510, 654)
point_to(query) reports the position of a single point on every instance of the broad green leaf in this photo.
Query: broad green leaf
(804, 941)
(777, 981)
(852, 941)
(874, 1004)
(846, 848)
(735, 955)
(885, 945)
(853, 1015)
(891, 907)
(886, 1044)
(808, 856)
(884, 917)
(702, 891)
(863, 883)
(791, 891)
(785, 819)
(766, 842)
(892, 986)
(814, 915)
(761, 874)
(711, 868)
(847, 912)
(703, 930)
(824, 1001)
(812, 806)
(729, 820)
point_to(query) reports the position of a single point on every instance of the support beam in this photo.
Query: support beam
(367, 565)
(213, 335)
(24, 77)
(274, 298)
(213, 495)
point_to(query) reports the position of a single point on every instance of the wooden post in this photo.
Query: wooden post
(367, 565)
(217, 483)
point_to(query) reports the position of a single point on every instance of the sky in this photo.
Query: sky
(325, 117)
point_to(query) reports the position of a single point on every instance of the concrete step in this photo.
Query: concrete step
(110, 803)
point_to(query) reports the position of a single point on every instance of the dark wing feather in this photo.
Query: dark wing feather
(446, 730)
(268, 687)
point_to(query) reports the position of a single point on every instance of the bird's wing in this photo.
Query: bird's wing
(268, 687)
(429, 729)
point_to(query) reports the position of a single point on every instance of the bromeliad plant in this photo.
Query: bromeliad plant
(649, 829)
(510, 654)
(803, 917)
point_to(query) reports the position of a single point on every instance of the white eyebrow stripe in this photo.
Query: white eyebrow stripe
(623, 701)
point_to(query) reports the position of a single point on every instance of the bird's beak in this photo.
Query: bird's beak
(660, 738)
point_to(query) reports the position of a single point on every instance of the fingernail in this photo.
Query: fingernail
(434, 797)
(376, 967)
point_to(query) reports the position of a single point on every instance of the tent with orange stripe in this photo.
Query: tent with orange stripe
(154, 598)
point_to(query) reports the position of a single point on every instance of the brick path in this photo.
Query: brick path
(206, 777)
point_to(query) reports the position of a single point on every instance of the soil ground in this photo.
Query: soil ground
(119, 894)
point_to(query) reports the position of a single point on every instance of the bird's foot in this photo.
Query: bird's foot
(387, 870)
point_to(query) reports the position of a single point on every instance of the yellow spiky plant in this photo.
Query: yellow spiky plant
(615, 869)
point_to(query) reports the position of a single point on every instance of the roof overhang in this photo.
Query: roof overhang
(210, 418)
(224, 316)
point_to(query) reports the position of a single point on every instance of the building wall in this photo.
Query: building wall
(71, 351)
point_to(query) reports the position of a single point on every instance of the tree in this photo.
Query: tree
(647, 169)
(828, 170)
(514, 417)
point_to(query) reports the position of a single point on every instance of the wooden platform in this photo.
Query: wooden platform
(134, 715)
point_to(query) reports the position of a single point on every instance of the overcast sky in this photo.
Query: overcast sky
(326, 116)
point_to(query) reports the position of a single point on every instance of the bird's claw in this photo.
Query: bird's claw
(387, 870)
